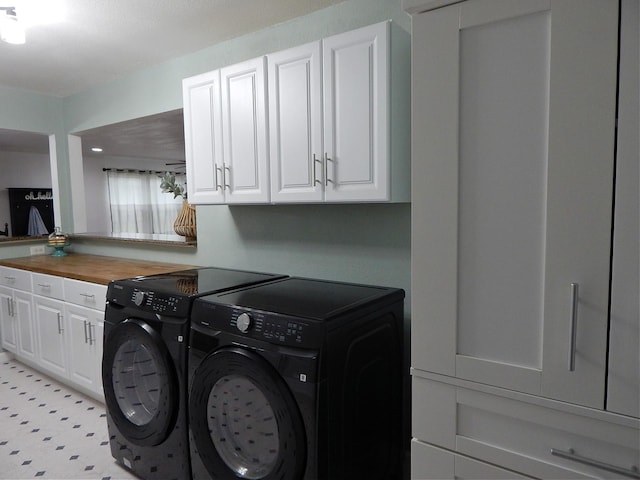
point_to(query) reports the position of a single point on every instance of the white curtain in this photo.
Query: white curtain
(138, 205)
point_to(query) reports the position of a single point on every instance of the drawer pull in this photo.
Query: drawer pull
(11, 279)
(88, 296)
(572, 455)
(44, 285)
(573, 326)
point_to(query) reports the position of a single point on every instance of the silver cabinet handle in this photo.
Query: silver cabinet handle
(86, 337)
(219, 186)
(88, 296)
(573, 326)
(92, 337)
(571, 455)
(225, 180)
(60, 329)
(315, 174)
(9, 307)
(44, 285)
(326, 169)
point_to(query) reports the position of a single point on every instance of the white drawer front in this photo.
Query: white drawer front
(520, 435)
(48, 285)
(91, 295)
(15, 278)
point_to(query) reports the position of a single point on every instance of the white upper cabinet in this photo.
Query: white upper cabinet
(314, 123)
(356, 114)
(295, 124)
(226, 135)
(244, 132)
(330, 121)
(513, 152)
(203, 138)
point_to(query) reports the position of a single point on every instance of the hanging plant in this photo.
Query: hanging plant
(168, 185)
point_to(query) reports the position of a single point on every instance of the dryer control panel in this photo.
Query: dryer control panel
(259, 325)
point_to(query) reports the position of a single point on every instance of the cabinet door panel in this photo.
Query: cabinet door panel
(295, 124)
(23, 312)
(7, 320)
(245, 132)
(50, 325)
(203, 138)
(356, 114)
(512, 172)
(85, 339)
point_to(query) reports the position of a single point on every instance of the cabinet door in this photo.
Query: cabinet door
(513, 127)
(624, 368)
(7, 320)
(295, 124)
(23, 313)
(203, 138)
(356, 114)
(85, 346)
(50, 326)
(244, 128)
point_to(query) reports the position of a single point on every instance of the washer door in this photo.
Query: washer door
(244, 420)
(140, 385)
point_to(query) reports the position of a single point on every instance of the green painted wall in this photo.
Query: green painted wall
(360, 243)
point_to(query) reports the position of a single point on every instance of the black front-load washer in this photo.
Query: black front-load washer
(144, 365)
(297, 379)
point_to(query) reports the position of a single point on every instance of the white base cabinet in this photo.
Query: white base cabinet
(55, 325)
(16, 315)
(521, 433)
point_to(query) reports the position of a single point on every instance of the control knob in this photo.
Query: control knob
(139, 297)
(244, 322)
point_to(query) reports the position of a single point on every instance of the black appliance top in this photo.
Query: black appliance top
(318, 300)
(172, 293)
(197, 281)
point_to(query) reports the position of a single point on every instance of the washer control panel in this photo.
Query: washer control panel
(149, 300)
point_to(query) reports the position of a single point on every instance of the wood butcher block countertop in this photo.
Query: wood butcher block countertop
(91, 268)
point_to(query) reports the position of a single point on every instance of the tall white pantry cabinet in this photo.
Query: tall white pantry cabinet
(525, 310)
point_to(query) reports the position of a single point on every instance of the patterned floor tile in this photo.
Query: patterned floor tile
(49, 431)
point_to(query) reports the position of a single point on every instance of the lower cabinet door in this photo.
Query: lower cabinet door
(7, 320)
(85, 347)
(50, 326)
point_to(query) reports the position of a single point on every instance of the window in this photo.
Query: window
(138, 205)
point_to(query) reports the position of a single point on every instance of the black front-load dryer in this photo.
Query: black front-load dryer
(144, 365)
(297, 379)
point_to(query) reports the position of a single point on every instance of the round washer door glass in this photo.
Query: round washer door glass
(136, 382)
(140, 385)
(244, 419)
(243, 426)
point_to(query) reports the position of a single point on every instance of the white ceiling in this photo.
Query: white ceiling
(99, 41)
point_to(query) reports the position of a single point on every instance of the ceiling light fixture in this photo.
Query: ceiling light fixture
(11, 30)
(96, 149)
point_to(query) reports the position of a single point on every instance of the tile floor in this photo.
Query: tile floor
(50, 431)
